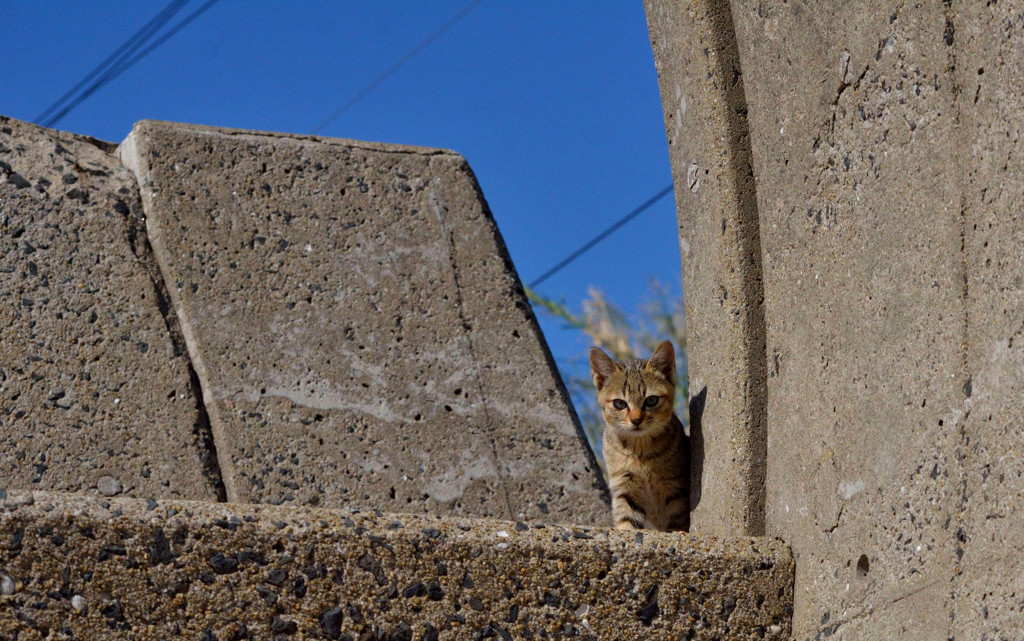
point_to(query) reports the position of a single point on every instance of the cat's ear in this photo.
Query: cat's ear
(601, 367)
(663, 360)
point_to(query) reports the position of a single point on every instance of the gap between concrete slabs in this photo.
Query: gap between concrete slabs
(127, 153)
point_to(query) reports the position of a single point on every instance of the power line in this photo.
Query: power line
(144, 33)
(165, 37)
(398, 65)
(125, 63)
(601, 236)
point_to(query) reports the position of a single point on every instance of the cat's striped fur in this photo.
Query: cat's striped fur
(645, 447)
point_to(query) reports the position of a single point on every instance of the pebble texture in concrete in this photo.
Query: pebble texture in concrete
(702, 94)
(359, 331)
(91, 569)
(95, 387)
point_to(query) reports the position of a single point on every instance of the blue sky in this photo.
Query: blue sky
(554, 104)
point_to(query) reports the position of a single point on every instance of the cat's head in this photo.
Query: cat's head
(636, 397)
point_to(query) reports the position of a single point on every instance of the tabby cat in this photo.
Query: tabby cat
(645, 447)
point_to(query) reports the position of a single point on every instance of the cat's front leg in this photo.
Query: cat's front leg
(628, 513)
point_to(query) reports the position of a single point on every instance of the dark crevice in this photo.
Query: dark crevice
(696, 409)
(135, 232)
(961, 537)
(102, 145)
(741, 172)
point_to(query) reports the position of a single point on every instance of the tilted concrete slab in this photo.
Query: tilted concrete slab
(359, 331)
(88, 568)
(705, 118)
(95, 387)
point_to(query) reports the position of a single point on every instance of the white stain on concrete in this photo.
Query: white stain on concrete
(453, 483)
(849, 490)
(693, 177)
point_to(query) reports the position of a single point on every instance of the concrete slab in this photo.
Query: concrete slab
(702, 93)
(360, 334)
(91, 569)
(886, 155)
(95, 388)
(855, 143)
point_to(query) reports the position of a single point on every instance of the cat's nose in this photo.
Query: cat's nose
(636, 421)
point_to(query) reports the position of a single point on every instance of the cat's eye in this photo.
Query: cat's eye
(619, 404)
(651, 401)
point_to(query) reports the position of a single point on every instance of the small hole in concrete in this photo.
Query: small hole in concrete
(863, 565)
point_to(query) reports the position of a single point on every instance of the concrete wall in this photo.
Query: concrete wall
(259, 318)
(888, 188)
(84, 568)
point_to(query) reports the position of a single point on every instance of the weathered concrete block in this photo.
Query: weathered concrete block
(886, 154)
(359, 331)
(853, 127)
(884, 143)
(705, 117)
(94, 569)
(95, 390)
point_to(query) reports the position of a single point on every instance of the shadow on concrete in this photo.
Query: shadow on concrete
(741, 172)
(697, 446)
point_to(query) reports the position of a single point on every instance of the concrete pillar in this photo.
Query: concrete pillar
(702, 92)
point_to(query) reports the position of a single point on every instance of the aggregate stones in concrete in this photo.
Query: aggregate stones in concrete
(89, 568)
(359, 331)
(95, 387)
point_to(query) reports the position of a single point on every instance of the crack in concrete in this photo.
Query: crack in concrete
(210, 430)
(439, 210)
(839, 517)
(830, 630)
(961, 426)
(201, 429)
(843, 86)
(599, 481)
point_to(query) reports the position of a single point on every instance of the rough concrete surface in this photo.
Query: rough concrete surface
(702, 95)
(988, 48)
(852, 119)
(888, 192)
(95, 390)
(359, 332)
(86, 568)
